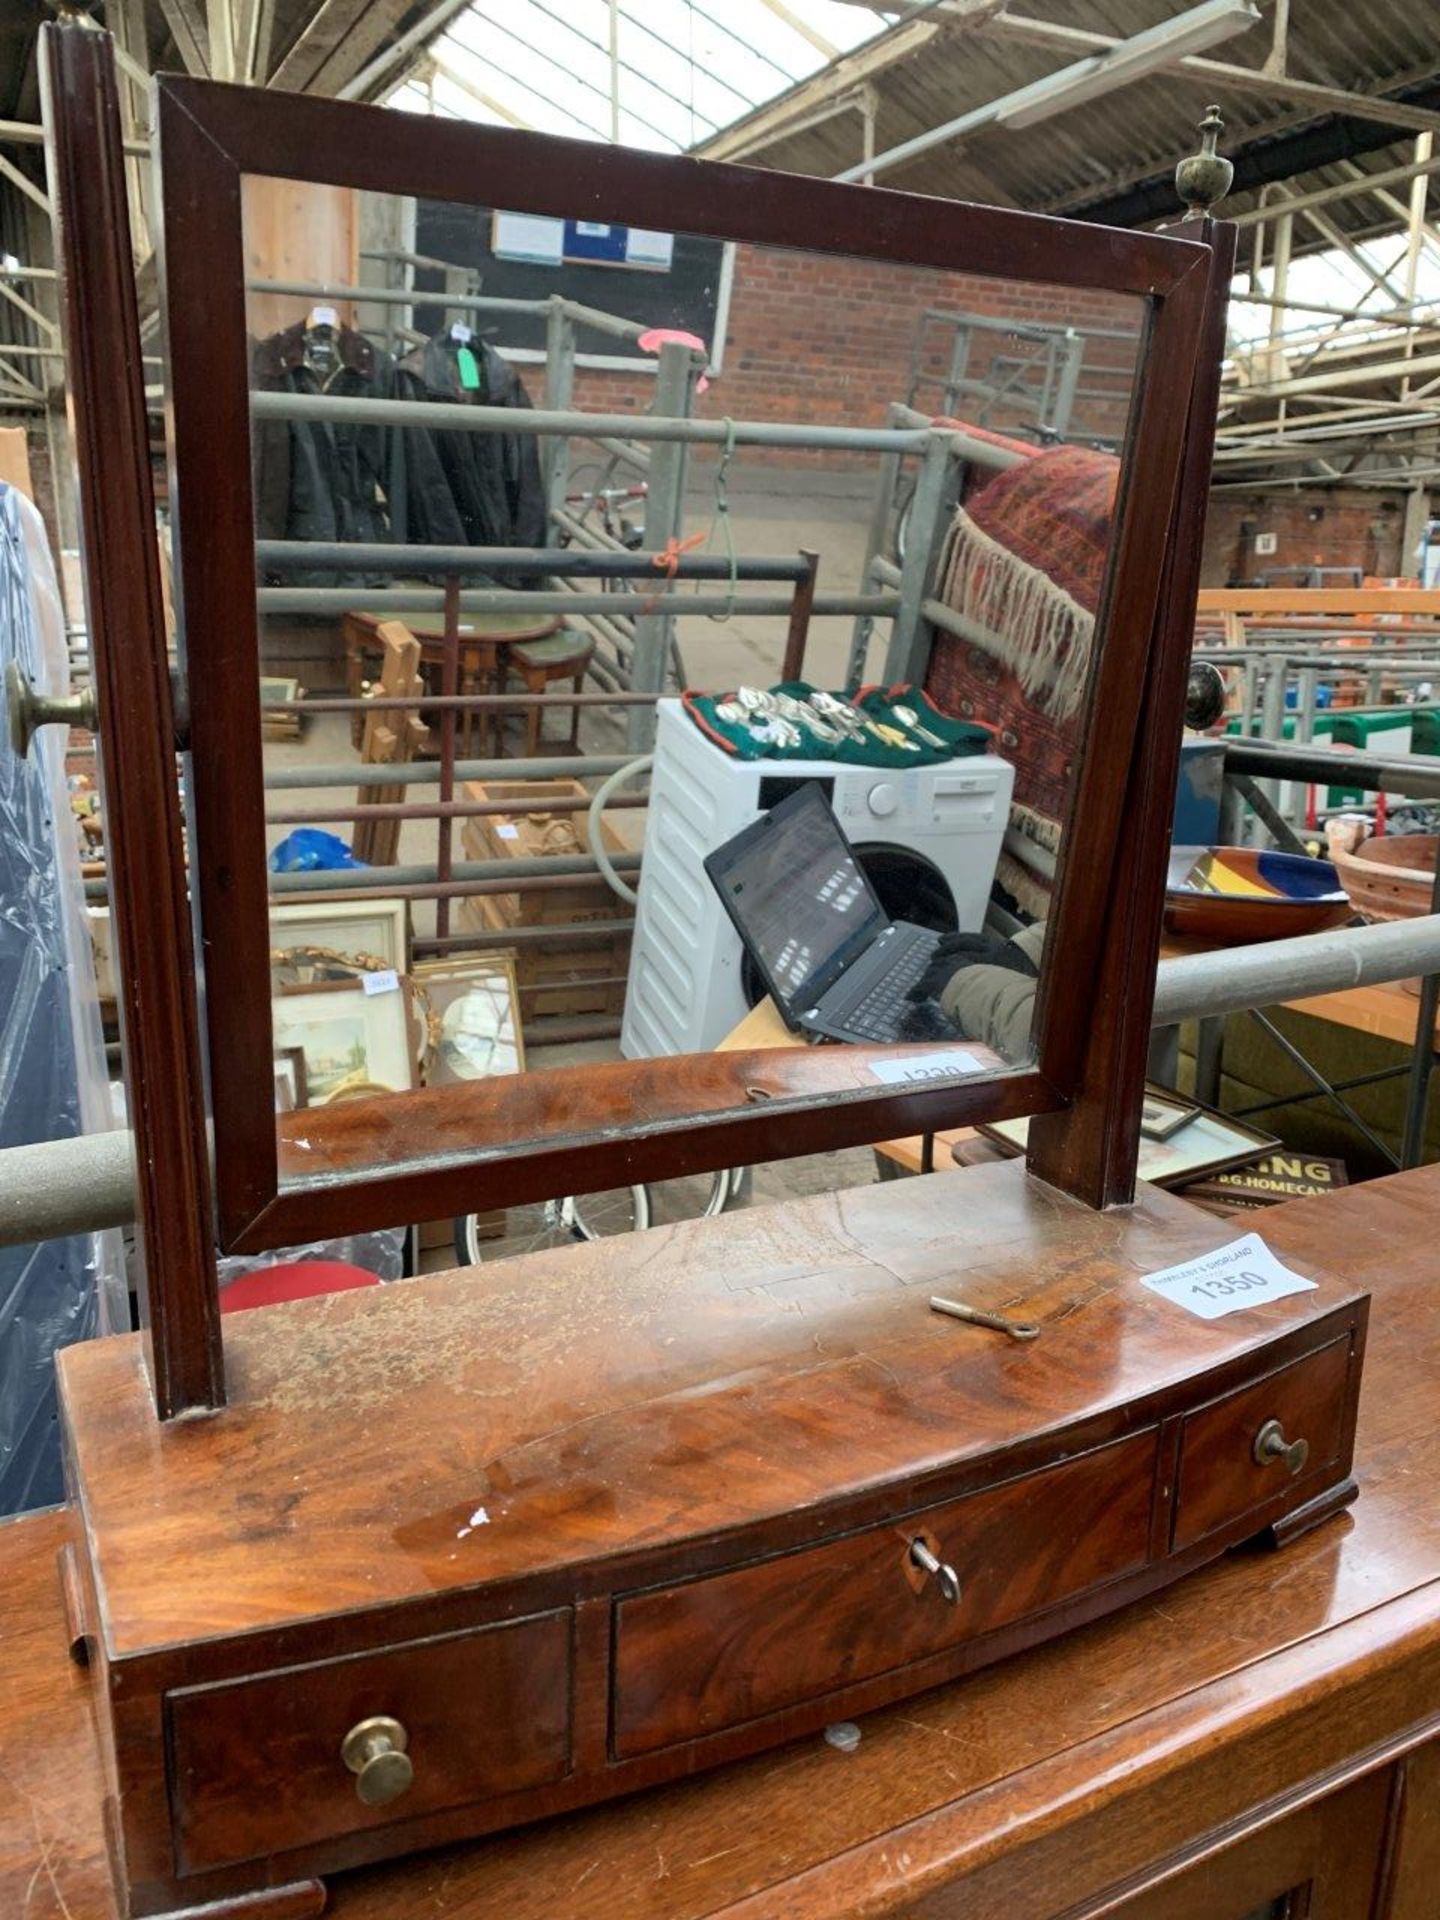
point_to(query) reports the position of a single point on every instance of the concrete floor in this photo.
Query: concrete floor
(771, 512)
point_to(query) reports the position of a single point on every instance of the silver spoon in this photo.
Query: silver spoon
(911, 719)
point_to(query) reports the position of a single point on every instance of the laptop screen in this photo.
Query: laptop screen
(798, 898)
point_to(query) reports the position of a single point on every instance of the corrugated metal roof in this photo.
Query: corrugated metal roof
(944, 65)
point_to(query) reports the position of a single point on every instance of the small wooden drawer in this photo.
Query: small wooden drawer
(257, 1764)
(691, 1660)
(1221, 1476)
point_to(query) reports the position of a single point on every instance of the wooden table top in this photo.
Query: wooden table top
(602, 1403)
(1110, 1745)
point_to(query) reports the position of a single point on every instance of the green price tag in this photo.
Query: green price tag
(469, 370)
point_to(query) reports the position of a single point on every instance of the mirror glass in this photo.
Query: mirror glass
(768, 720)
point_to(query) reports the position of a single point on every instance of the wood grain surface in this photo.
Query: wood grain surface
(149, 896)
(757, 1374)
(1032, 1786)
(491, 1707)
(691, 1659)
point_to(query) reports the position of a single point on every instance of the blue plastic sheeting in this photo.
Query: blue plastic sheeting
(52, 1061)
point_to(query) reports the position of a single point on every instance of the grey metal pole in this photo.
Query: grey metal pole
(905, 655)
(59, 1187)
(1308, 684)
(1232, 978)
(72, 1186)
(1416, 775)
(1422, 1061)
(1232, 813)
(559, 393)
(424, 874)
(1073, 353)
(1272, 726)
(455, 416)
(654, 629)
(484, 600)
(882, 506)
(615, 562)
(426, 773)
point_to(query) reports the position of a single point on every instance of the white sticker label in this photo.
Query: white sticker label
(387, 981)
(926, 1066)
(1243, 1274)
(506, 832)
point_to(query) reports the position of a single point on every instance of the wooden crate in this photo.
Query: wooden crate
(534, 830)
(581, 979)
(585, 979)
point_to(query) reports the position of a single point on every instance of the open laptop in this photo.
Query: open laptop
(833, 961)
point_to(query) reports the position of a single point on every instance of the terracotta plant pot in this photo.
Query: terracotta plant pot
(1390, 878)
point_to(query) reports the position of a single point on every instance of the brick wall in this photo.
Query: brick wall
(828, 341)
(1313, 527)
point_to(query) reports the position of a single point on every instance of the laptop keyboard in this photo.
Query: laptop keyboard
(877, 1016)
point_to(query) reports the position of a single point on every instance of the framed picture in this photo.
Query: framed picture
(363, 930)
(474, 1018)
(290, 1084)
(354, 1044)
(1204, 1142)
(274, 724)
(1160, 1116)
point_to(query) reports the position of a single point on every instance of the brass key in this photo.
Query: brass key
(1017, 1329)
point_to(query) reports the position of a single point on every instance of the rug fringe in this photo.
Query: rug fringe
(1038, 631)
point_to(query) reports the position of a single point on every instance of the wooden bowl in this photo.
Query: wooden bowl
(1301, 896)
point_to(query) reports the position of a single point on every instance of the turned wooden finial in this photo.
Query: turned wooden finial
(1203, 178)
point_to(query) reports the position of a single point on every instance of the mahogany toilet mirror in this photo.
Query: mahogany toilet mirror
(558, 1485)
(437, 1151)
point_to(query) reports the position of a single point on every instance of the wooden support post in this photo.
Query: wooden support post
(149, 903)
(1092, 1150)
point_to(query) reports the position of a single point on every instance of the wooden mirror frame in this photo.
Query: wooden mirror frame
(582, 1133)
(1088, 1146)
(210, 136)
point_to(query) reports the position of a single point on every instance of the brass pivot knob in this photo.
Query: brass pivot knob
(29, 710)
(945, 1578)
(1271, 1444)
(374, 1751)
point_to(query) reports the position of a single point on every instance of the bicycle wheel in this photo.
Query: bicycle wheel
(696, 1196)
(550, 1223)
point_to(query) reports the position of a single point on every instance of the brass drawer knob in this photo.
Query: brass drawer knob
(374, 1751)
(945, 1578)
(1271, 1445)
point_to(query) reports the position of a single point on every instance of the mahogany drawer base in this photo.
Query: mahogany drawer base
(409, 1592)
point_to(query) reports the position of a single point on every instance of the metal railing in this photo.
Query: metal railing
(80, 1185)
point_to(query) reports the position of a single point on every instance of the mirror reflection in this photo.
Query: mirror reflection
(729, 724)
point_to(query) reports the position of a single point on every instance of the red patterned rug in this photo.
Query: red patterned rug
(1024, 564)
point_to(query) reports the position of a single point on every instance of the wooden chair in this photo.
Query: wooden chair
(487, 642)
(561, 655)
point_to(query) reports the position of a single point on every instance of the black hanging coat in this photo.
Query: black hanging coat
(493, 479)
(344, 481)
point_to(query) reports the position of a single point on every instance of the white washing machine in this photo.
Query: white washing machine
(928, 838)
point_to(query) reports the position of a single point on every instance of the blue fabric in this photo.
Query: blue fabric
(48, 1295)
